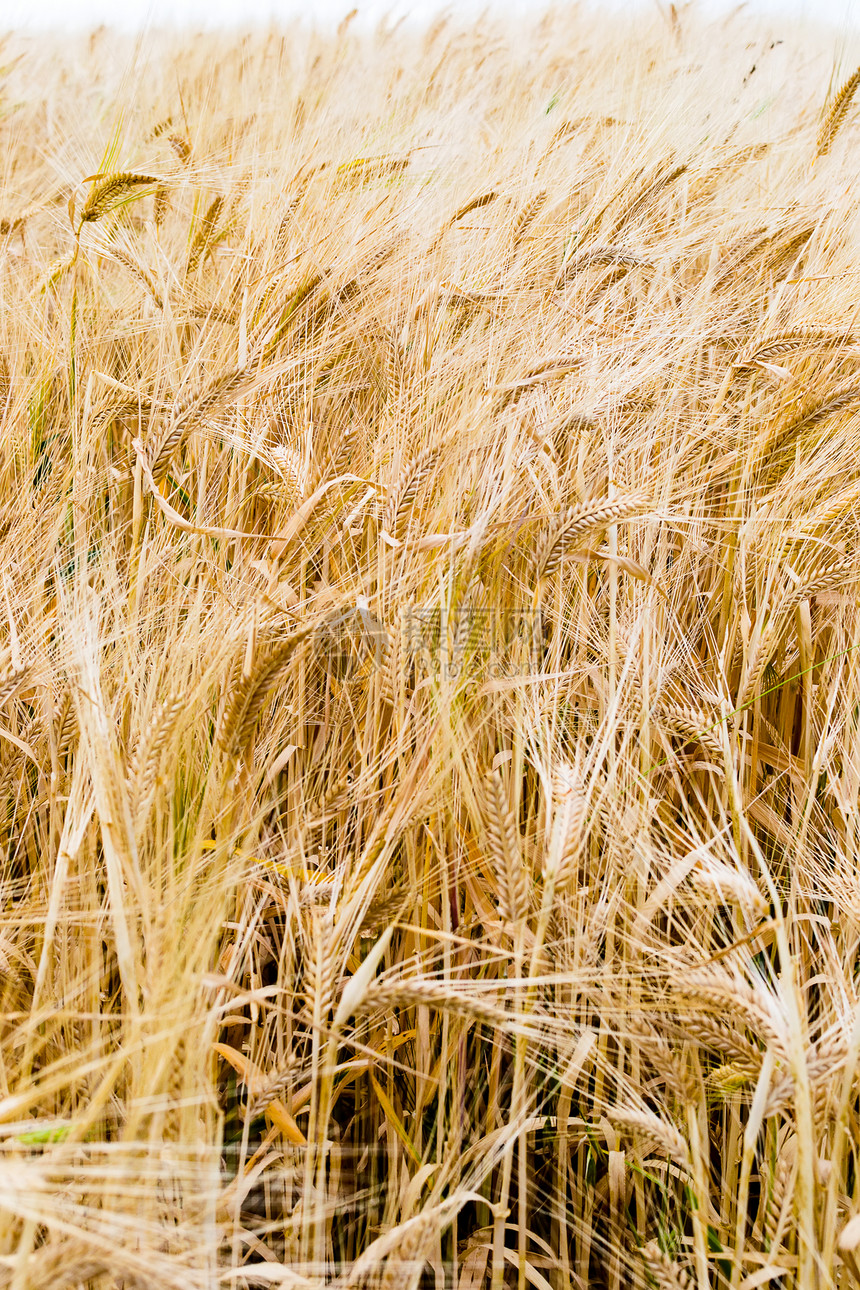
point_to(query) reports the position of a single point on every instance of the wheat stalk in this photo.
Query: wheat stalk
(799, 338)
(402, 493)
(12, 683)
(722, 1037)
(504, 846)
(836, 113)
(218, 393)
(838, 401)
(574, 523)
(405, 993)
(65, 724)
(109, 191)
(204, 234)
(526, 216)
(160, 205)
(568, 826)
(839, 573)
(694, 725)
(616, 257)
(250, 694)
(723, 989)
(654, 1129)
(664, 1271)
(144, 765)
(778, 1196)
(139, 272)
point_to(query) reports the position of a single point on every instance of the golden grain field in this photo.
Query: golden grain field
(430, 658)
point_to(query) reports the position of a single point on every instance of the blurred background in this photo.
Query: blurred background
(137, 14)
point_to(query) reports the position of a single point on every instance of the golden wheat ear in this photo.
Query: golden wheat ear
(505, 851)
(404, 490)
(218, 393)
(250, 694)
(475, 204)
(663, 1271)
(205, 234)
(836, 113)
(12, 683)
(568, 826)
(565, 528)
(141, 273)
(526, 217)
(110, 191)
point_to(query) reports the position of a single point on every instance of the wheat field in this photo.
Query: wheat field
(430, 678)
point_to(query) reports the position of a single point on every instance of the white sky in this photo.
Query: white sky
(59, 14)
